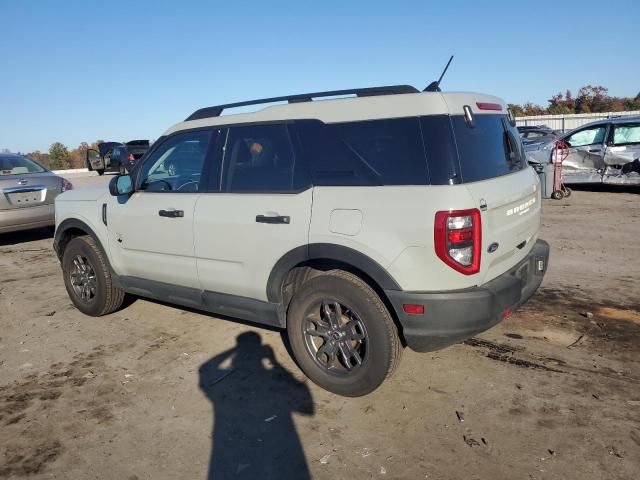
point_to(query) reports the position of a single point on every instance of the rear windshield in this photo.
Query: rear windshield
(489, 148)
(16, 165)
(435, 149)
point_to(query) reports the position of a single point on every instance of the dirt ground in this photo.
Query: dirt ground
(553, 392)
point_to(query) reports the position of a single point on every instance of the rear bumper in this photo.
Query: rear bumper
(18, 219)
(453, 316)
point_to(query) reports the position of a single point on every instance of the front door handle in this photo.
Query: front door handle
(171, 213)
(594, 150)
(274, 219)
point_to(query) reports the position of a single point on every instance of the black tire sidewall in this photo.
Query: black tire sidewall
(379, 355)
(80, 246)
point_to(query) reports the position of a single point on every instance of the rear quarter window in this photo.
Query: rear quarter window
(367, 153)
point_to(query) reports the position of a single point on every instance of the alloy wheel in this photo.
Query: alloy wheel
(335, 337)
(83, 279)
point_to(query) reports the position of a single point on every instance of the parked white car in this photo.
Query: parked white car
(361, 225)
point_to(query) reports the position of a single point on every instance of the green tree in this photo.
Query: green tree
(59, 158)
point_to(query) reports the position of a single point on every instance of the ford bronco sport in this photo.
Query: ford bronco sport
(362, 225)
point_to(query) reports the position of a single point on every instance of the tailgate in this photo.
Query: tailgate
(511, 219)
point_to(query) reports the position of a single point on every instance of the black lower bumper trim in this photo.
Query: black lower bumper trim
(453, 316)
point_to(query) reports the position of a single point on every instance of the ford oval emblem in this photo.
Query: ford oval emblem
(493, 247)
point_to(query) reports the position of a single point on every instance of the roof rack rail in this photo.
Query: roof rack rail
(305, 97)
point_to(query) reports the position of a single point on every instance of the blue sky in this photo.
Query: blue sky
(75, 71)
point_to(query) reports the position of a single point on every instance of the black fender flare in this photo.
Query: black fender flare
(66, 225)
(74, 223)
(331, 252)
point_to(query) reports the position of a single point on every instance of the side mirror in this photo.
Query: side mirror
(121, 185)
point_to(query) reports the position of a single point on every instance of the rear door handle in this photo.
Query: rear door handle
(594, 150)
(275, 219)
(171, 213)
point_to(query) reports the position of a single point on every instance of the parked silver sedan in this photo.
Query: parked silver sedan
(27, 193)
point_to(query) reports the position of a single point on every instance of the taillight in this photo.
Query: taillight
(458, 239)
(66, 185)
(130, 158)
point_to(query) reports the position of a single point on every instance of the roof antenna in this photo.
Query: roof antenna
(435, 86)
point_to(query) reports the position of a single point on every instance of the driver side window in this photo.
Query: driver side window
(589, 136)
(177, 165)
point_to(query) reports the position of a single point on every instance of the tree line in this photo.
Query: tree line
(590, 99)
(59, 157)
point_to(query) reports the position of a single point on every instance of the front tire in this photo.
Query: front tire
(100, 171)
(87, 278)
(122, 170)
(342, 335)
(557, 195)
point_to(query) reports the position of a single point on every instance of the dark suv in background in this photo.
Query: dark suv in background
(116, 156)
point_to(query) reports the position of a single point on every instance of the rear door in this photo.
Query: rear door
(493, 168)
(151, 231)
(255, 211)
(623, 147)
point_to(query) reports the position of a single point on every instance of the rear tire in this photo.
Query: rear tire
(567, 192)
(122, 170)
(557, 195)
(342, 335)
(100, 171)
(87, 278)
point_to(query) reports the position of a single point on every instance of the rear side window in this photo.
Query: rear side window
(489, 148)
(260, 158)
(374, 152)
(626, 134)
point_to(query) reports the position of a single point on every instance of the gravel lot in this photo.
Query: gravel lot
(553, 392)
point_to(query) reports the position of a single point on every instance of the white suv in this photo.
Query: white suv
(361, 225)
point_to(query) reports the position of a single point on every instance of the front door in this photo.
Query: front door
(151, 231)
(586, 151)
(256, 211)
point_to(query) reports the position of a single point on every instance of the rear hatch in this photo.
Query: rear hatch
(493, 168)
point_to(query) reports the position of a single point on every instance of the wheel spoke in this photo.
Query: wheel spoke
(351, 329)
(328, 349)
(319, 331)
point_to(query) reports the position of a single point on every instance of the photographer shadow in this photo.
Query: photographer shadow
(253, 401)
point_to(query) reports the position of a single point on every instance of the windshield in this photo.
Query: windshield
(17, 165)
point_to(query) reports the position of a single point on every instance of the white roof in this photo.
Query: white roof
(358, 108)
